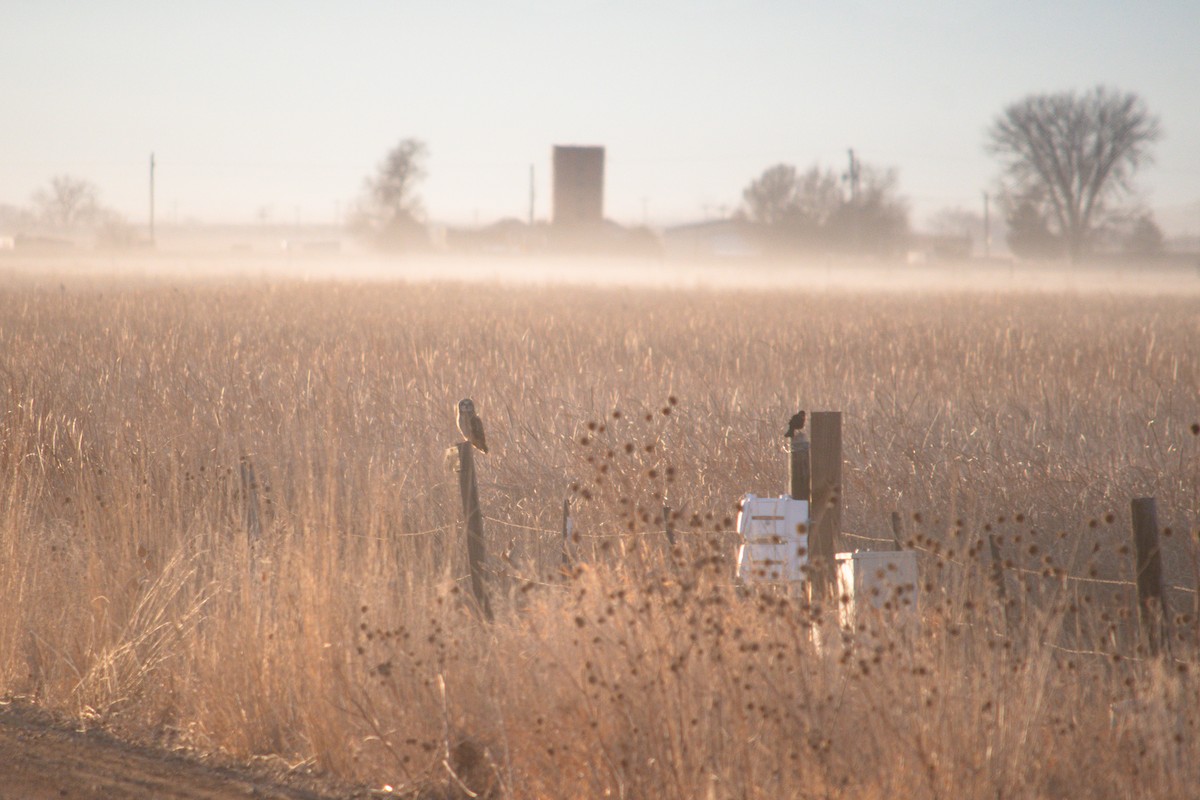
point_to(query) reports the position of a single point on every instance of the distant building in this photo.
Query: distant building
(714, 239)
(923, 248)
(578, 186)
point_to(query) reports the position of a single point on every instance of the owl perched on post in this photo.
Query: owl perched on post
(795, 425)
(470, 425)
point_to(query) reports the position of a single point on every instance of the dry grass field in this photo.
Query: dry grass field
(335, 634)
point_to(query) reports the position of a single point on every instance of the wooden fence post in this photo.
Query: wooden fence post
(825, 510)
(998, 579)
(567, 531)
(251, 516)
(897, 531)
(799, 468)
(473, 519)
(1152, 599)
(668, 525)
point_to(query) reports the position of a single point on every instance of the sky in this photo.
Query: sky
(278, 111)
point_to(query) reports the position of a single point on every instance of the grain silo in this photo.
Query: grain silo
(578, 186)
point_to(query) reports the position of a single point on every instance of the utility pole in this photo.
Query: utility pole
(852, 175)
(531, 195)
(152, 199)
(987, 226)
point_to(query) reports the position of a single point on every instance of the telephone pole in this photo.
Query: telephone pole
(152, 199)
(852, 175)
(987, 226)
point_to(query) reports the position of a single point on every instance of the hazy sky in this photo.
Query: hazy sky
(287, 106)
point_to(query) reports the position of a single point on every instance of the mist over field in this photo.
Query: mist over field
(1129, 278)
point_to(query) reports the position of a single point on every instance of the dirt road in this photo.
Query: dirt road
(41, 759)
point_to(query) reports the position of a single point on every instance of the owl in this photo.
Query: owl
(795, 425)
(470, 425)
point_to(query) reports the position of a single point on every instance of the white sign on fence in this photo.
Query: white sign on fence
(774, 545)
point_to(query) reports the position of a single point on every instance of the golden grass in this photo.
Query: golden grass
(133, 592)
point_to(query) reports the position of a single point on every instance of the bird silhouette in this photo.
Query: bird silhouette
(795, 425)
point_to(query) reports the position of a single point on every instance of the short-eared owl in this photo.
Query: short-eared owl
(795, 425)
(470, 425)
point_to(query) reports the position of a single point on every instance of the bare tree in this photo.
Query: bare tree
(810, 210)
(390, 210)
(1029, 234)
(875, 218)
(783, 196)
(769, 196)
(67, 202)
(1077, 152)
(1143, 237)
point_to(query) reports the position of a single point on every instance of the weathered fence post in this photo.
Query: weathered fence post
(567, 531)
(1152, 599)
(1195, 628)
(668, 525)
(473, 519)
(897, 531)
(998, 579)
(251, 515)
(799, 468)
(825, 510)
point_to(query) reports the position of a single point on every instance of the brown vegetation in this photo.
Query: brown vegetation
(133, 591)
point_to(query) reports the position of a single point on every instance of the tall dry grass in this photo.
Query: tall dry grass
(341, 637)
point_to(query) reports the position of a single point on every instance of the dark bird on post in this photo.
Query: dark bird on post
(470, 425)
(795, 425)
